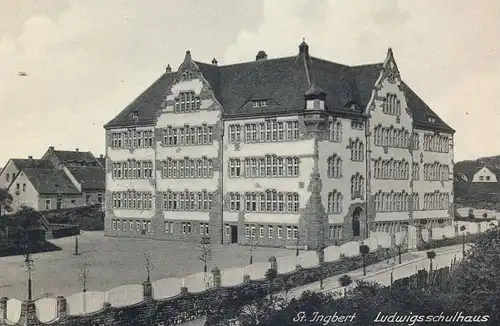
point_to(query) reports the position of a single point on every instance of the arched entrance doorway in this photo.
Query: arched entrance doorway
(356, 224)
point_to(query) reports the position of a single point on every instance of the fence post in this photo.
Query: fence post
(28, 314)
(274, 263)
(478, 227)
(321, 255)
(61, 306)
(147, 290)
(3, 307)
(216, 277)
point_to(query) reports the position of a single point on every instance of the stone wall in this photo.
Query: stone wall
(186, 306)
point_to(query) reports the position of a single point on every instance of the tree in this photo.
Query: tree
(431, 255)
(345, 280)
(206, 254)
(477, 282)
(252, 243)
(148, 265)
(462, 228)
(5, 200)
(84, 274)
(364, 250)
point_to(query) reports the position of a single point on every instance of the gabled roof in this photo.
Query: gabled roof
(467, 168)
(283, 82)
(25, 163)
(50, 181)
(74, 156)
(102, 161)
(91, 178)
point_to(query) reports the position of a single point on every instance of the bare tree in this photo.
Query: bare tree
(252, 244)
(84, 274)
(29, 264)
(148, 264)
(206, 254)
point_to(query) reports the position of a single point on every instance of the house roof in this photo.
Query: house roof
(25, 163)
(91, 178)
(50, 181)
(102, 161)
(467, 168)
(283, 82)
(74, 156)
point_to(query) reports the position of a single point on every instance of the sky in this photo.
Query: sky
(86, 60)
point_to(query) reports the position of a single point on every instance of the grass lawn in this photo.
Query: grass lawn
(114, 262)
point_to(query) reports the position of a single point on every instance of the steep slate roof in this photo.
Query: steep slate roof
(91, 178)
(25, 163)
(74, 156)
(283, 82)
(50, 181)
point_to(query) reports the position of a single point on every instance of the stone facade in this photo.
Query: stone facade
(313, 204)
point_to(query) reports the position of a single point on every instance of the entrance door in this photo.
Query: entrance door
(59, 203)
(356, 227)
(234, 234)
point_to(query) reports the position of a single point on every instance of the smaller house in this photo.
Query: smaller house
(45, 189)
(487, 174)
(59, 180)
(15, 165)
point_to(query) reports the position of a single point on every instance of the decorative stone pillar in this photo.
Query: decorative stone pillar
(3, 307)
(274, 263)
(321, 255)
(411, 233)
(61, 307)
(478, 227)
(430, 234)
(28, 314)
(456, 230)
(216, 277)
(147, 290)
(393, 239)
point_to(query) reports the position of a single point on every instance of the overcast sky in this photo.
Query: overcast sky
(86, 60)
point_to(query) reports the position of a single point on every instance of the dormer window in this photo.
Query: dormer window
(135, 114)
(260, 103)
(431, 119)
(188, 75)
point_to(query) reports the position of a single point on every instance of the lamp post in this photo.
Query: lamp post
(364, 250)
(29, 264)
(462, 228)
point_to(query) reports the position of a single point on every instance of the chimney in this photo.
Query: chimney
(30, 158)
(214, 62)
(101, 156)
(169, 69)
(51, 148)
(261, 56)
(77, 150)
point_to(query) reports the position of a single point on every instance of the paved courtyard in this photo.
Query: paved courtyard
(114, 262)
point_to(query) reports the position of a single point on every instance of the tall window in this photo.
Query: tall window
(334, 166)
(392, 105)
(336, 131)
(334, 202)
(357, 149)
(234, 167)
(234, 134)
(357, 185)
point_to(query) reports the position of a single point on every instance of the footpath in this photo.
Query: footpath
(332, 283)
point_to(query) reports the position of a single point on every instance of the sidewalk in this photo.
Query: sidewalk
(333, 282)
